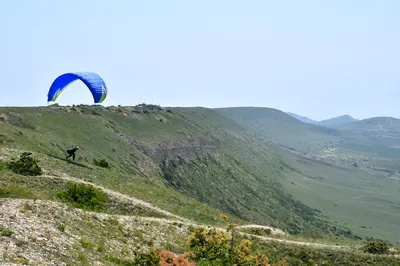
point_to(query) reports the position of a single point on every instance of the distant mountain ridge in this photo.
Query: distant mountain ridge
(335, 121)
(303, 118)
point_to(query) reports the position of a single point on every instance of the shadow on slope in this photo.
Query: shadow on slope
(68, 161)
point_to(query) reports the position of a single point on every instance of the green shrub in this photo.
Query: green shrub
(26, 165)
(101, 163)
(61, 227)
(6, 232)
(21, 260)
(169, 111)
(376, 247)
(258, 231)
(86, 244)
(215, 247)
(84, 196)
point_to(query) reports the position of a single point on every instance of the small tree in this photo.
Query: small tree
(26, 165)
(101, 163)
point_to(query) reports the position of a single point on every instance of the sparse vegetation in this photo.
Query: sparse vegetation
(6, 232)
(16, 191)
(258, 231)
(84, 196)
(206, 247)
(26, 165)
(376, 247)
(21, 260)
(86, 244)
(61, 227)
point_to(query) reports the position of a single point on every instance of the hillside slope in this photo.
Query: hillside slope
(284, 129)
(355, 179)
(159, 157)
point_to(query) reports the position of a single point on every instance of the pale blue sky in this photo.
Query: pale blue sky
(316, 58)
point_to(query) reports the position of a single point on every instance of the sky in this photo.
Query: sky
(316, 58)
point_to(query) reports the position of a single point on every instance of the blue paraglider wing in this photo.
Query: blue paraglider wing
(94, 82)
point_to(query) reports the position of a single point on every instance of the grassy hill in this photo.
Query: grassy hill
(193, 162)
(170, 171)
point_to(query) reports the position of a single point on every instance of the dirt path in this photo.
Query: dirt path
(116, 195)
(188, 222)
(274, 231)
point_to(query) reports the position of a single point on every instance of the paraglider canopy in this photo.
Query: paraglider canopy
(94, 82)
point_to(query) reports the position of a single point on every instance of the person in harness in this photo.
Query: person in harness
(71, 152)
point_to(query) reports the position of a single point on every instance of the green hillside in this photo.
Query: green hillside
(192, 162)
(379, 136)
(171, 171)
(284, 129)
(354, 179)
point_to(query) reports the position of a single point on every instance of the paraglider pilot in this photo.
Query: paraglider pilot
(71, 152)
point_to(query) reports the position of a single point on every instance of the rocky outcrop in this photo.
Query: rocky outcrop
(186, 148)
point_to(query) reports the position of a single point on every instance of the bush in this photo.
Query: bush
(156, 257)
(169, 258)
(169, 111)
(376, 247)
(84, 196)
(101, 163)
(214, 247)
(259, 231)
(26, 165)
(6, 232)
